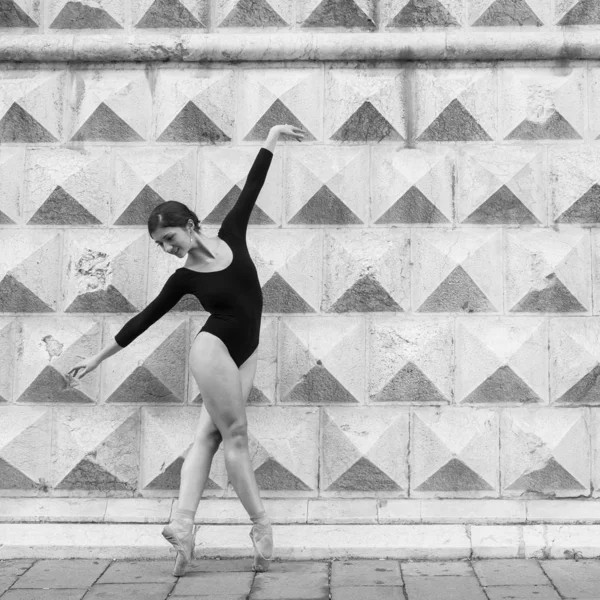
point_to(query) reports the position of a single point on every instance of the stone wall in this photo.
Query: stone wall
(429, 255)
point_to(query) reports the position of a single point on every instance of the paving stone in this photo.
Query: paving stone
(237, 597)
(131, 591)
(232, 564)
(62, 594)
(510, 572)
(203, 584)
(522, 592)
(367, 593)
(437, 569)
(139, 572)
(292, 581)
(574, 579)
(62, 574)
(365, 573)
(10, 570)
(446, 588)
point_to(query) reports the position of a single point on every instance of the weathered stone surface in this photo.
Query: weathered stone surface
(10, 570)
(523, 592)
(167, 14)
(367, 593)
(59, 594)
(574, 579)
(365, 573)
(12, 15)
(583, 12)
(138, 572)
(436, 569)
(79, 15)
(347, 13)
(508, 13)
(254, 13)
(135, 591)
(506, 572)
(424, 13)
(450, 588)
(211, 585)
(289, 580)
(62, 574)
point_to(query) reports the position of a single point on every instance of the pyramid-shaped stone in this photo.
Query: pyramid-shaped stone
(51, 386)
(12, 479)
(104, 125)
(279, 296)
(253, 13)
(256, 396)
(551, 477)
(502, 207)
(555, 297)
(60, 208)
(457, 293)
(455, 123)
(11, 15)
(15, 297)
(424, 13)
(508, 13)
(143, 386)
(454, 476)
(364, 476)
(88, 475)
(320, 386)
(17, 125)
(413, 207)
(189, 302)
(108, 300)
(170, 479)
(410, 383)
(192, 125)
(168, 13)
(219, 212)
(585, 12)
(338, 13)
(366, 295)
(504, 385)
(276, 114)
(5, 219)
(273, 476)
(554, 128)
(138, 211)
(366, 124)
(76, 15)
(586, 390)
(584, 210)
(325, 208)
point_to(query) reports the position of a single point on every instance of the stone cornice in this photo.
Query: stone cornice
(447, 45)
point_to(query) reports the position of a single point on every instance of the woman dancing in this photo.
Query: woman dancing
(221, 274)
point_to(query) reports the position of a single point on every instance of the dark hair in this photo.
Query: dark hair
(171, 214)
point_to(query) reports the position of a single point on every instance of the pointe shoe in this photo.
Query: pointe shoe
(183, 542)
(261, 562)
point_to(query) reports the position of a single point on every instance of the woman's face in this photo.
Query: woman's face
(173, 240)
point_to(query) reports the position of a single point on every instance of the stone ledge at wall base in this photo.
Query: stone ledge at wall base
(560, 44)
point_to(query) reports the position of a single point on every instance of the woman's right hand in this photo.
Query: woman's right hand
(87, 365)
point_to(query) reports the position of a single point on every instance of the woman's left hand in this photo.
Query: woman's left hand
(292, 131)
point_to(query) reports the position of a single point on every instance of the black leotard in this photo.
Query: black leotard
(232, 295)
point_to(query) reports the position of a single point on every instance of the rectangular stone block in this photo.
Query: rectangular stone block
(452, 588)
(138, 510)
(437, 569)
(496, 541)
(138, 572)
(481, 511)
(308, 581)
(574, 579)
(568, 541)
(506, 572)
(10, 571)
(406, 510)
(116, 591)
(365, 573)
(52, 510)
(209, 585)
(61, 574)
(563, 511)
(280, 510)
(342, 511)
(12, 176)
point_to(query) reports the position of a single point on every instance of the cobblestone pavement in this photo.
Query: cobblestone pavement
(492, 579)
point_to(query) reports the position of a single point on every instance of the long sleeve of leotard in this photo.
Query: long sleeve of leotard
(237, 218)
(163, 303)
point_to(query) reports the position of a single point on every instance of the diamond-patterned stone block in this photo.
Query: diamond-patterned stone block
(221, 178)
(110, 106)
(322, 360)
(281, 257)
(95, 449)
(365, 450)
(455, 105)
(104, 271)
(366, 271)
(194, 105)
(411, 187)
(47, 350)
(351, 14)
(29, 270)
(167, 435)
(508, 13)
(31, 106)
(545, 451)
(326, 185)
(422, 13)
(457, 270)
(8, 343)
(577, 12)
(574, 361)
(501, 186)
(152, 368)
(276, 96)
(364, 105)
(594, 93)
(548, 271)
(171, 14)
(20, 13)
(86, 14)
(254, 13)
(66, 187)
(147, 177)
(410, 360)
(595, 443)
(24, 447)
(454, 453)
(501, 360)
(542, 104)
(12, 174)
